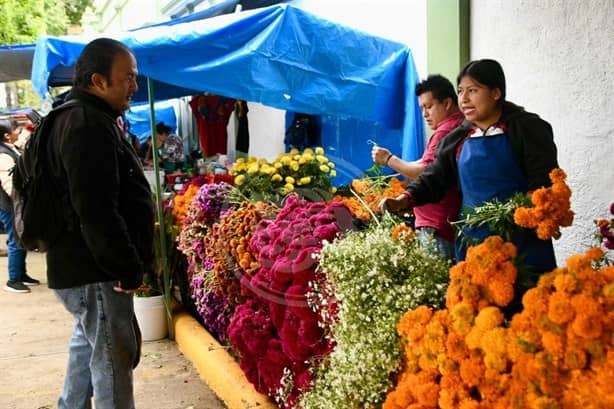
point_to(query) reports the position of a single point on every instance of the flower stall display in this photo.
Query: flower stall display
(228, 248)
(213, 309)
(308, 173)
(204, 210)
(368, 192)
(181, 202)
(373, 277)
(314, 304)
(275, 332)
(556, 353)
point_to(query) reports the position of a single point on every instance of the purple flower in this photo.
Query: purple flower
(212, 308)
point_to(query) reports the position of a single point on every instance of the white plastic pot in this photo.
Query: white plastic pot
(151, 315)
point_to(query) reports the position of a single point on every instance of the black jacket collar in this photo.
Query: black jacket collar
(93, 100)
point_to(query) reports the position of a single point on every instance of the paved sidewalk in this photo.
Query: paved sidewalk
(34, 339)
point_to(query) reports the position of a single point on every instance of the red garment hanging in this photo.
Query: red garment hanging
(212, 113)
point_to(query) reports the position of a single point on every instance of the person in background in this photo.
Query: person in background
(19, 280)
(500, 151)
(170, 148)
(439, 106)
(99, 260)
(131, 138)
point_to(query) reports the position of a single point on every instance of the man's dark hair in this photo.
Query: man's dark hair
(487, 72)
(96, 57)
(439, 86)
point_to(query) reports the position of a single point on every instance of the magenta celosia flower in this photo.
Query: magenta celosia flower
(285, 248)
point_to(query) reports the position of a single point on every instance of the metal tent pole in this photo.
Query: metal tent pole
(160, 211)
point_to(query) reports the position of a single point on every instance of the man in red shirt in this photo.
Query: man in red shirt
(439, 106)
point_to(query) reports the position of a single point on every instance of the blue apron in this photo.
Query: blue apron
(488, 170)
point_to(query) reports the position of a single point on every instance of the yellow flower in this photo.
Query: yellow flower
(308, 151)
(293, 151)
(290, 180)
(294, 166)
(324, 168)
(240, 161)
(333, 173)
(253, 168)
(289, 187)
(251, 159)
(262, 161)
(277, 178)
(302, 160)
(267, 170)
(319, 150)
(307, 157)
(277, 165)
(296, 157)
(285, 160)
(331, 165)
(304, 180)
(239, 180)
(322, 158)
(333, 190)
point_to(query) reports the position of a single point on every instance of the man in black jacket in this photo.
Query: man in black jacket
(99, 260)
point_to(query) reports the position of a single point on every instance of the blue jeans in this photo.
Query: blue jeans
(430, 240)
(17, 255)
(102, 350)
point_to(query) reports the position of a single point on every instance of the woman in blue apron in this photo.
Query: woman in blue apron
(500, 150)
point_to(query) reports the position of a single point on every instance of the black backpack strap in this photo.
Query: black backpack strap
(8, 151)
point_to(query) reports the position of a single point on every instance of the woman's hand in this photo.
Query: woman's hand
(380, 155)
(399, 204)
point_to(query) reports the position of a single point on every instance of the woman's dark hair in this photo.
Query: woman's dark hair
(486, 72)
(96, 57)
(439, 86)
(161, 128)
(6, 126)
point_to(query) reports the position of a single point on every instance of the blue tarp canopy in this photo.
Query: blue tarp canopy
(139, 118)
(281, 56)
(16, 65)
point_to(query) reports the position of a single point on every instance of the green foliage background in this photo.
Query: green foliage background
(22, 21)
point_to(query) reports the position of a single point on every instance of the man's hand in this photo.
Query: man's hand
(399, 204)
(380, 155)
(119, 289)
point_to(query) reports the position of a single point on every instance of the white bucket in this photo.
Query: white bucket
(150, 175)
(151, 316)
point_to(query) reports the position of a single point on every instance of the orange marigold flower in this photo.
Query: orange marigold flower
(488, 318)
(462, 316)
(403, 232)
(594, 253)
(587, 326)
(501, 293)
(575, 358)
(557, 175)
(559, 308)
(566, 283)
(553, 343)
(456, 349)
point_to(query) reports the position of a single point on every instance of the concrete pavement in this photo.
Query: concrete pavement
(34, 339)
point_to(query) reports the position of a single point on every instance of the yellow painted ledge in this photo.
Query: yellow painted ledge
(215, 366)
